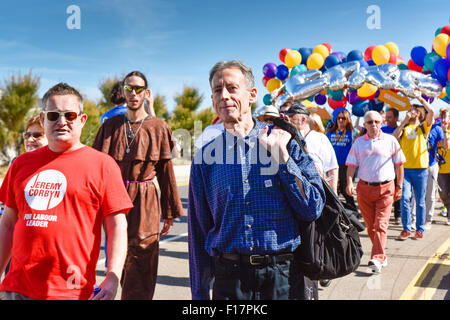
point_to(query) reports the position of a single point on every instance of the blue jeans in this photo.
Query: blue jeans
(414, 180)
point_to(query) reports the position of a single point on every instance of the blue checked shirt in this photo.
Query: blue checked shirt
(242, 202)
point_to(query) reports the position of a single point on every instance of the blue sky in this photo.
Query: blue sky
(175, 43)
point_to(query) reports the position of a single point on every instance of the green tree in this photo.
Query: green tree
(92, 125)
(159, 105)
(189, 99)
(105, 86)
(206, 116)
(18, 99)
(184, 114)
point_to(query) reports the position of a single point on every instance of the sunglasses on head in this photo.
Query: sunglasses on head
(54, 115)
(35, 135)
(137, 89)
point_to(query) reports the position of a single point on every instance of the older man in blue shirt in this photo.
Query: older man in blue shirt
(249, 189)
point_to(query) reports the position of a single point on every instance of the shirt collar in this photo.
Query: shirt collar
(250, 139)
(380, 136)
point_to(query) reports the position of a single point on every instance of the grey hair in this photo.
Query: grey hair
(246, 71)
(373, 112)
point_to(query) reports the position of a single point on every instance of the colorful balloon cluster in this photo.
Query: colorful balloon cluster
(323, 58)
(363, 97)
(436, 62)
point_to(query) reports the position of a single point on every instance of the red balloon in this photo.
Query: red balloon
(337, 104)
(412, 66)
(282, 54)
(264, 80)
(446, 30)
(371, 97)
(368, 53)
(392, 58)
(330, 49)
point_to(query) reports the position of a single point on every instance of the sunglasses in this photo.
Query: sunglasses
(373, 121)
(54, 115)
(35, 135)
(130, 88)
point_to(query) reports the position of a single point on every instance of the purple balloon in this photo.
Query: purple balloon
(320, 99)
(270, 70)
(428, 99)
(338, 54)
(352, 96)
(448, 52)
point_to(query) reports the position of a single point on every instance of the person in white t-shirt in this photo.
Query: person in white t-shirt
(317, 144)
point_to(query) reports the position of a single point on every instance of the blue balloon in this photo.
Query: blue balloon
(371, 63)
(418, 54)
(442, 81)
(360, 108)
(331, 61)
(282, 72)
(441, 68)
(363, 63)
(376, 105)
(267, 99)
(355, 55)
(305, 52)
(298, 69)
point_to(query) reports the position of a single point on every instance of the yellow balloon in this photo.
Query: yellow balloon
(292, 58)
(322, 50)
(380, 55)
(440, 44)
(273, 84)
(315, 61)
(366, 90)
(392, 47)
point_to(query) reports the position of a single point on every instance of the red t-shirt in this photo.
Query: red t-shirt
(61, 200)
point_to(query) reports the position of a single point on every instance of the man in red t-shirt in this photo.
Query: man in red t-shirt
(57, 198)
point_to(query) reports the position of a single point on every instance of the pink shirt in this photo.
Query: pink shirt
(376, 157)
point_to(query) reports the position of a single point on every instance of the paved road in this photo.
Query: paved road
(418, 269)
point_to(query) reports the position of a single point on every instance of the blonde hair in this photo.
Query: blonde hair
(316, 123)
(34, 120)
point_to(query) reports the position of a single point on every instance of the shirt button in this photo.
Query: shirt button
(249, 226)
(251, 248)
(246, 180)
(247, 203)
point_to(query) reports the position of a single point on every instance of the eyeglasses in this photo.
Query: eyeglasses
(373, 121)
(130, 88)
(35, 135)
(54, 115)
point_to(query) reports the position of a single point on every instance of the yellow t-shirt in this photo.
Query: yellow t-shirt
(414, 146)
(445, 168)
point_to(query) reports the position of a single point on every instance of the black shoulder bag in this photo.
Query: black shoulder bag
(330, 246)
